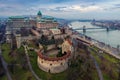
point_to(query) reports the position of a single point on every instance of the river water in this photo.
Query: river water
(112, 37)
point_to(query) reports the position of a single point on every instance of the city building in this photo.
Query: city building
(46, 22)
(67, 46)
(18, 23)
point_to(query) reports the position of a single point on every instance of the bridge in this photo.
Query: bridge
(85, 29)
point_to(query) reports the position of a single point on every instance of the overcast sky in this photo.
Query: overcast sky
(72, 9)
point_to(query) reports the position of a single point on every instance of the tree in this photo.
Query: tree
(45, 48)
(43, 40)
(53, 39)
(12, 66)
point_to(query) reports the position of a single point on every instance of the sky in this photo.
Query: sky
(68, 9)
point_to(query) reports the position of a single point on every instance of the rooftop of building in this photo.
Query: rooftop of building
(39, 13)
(54, 58)
(47, 18)
(55, 29)
(16, 17)
(42, 19)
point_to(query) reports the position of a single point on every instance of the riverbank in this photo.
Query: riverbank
(102, 46)
(111, 37)
(105, 24)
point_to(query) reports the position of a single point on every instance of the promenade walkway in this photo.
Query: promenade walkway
(108, 49)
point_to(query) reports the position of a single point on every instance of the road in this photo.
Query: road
(95, 62)
(5, 66)
(1, 57)
(29, 64)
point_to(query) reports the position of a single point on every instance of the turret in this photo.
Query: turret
(39, 15)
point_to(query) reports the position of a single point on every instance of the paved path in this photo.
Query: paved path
(96, 65)
(29, 64)
(5, 66)
(116, 55)
(97, 68)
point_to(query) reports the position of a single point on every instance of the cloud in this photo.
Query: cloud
(76, 8)
(61, 8)
(86, 9)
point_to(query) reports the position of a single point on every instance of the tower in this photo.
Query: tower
(18, 40)
(39, 15)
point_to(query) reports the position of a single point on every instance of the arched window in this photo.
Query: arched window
(61, 63)
(49, 70)
(50, 64)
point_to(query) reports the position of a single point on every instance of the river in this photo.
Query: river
(112, 37)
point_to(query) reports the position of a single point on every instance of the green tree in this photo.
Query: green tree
(45, 48)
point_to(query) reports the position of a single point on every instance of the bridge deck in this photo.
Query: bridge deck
(88, 28)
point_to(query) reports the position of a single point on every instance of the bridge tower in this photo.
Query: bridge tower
(107, 29)
(84, 29)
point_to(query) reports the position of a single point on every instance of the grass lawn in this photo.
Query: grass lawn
(106, 77)
(3, 77)
(110, 58)
(19, 59)
(21, 74)
(52, 56)
(32, 44)
(95, 75)
(5, 52)
(48, 76)
(44, 75)
(104, 59)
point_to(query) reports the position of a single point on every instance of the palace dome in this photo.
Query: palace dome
(39, 13)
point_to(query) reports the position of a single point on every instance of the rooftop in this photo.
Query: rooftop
(16, 17)
(47, 18)
(54, 58)
(39, 13)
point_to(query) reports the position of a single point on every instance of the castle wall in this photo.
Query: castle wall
(49, 47)
(52, 66)
(46, 25)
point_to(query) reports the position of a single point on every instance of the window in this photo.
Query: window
(61, 63)
(50, 64)
(41, 61)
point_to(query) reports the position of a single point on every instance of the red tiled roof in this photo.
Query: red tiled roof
(55, 58)
(83, 41)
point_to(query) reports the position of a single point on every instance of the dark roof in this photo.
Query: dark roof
(16, 17)
(39, 13)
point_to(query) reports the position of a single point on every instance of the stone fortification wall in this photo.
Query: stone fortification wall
(53, 65)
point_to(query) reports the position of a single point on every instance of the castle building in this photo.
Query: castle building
(16, 23)
(56, 64)
(19, 23)
(67, 46)
(39, 15)
(46, 22)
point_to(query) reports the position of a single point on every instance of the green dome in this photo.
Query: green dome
(39, 13)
